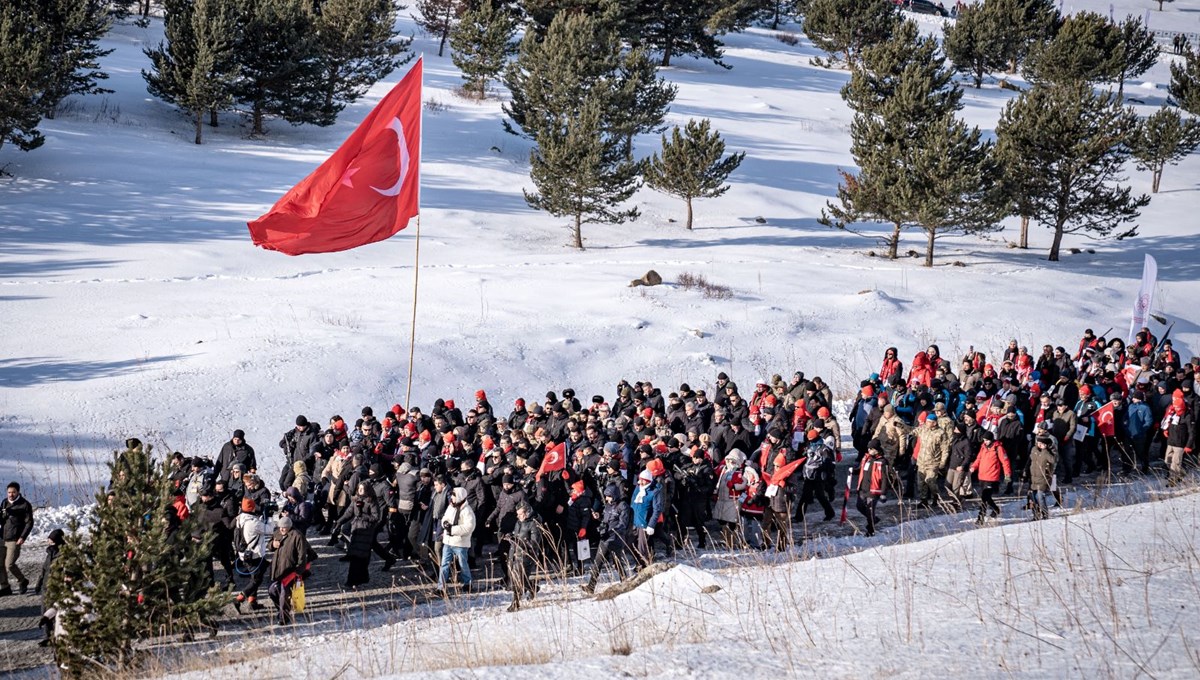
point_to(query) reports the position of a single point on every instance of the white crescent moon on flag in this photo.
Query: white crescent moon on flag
(552, 458)
(394, 190)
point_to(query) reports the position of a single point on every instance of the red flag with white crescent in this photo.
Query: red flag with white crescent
(1105, 420)
(554, 460)
(365, 192)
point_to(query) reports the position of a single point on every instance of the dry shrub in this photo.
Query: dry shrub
(710, 290)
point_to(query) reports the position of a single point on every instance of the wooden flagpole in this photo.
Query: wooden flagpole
(412, 338)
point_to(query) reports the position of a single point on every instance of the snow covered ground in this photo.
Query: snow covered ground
(133, 303)
(1108, 593)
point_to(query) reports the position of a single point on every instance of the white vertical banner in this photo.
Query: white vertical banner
(1145, 297)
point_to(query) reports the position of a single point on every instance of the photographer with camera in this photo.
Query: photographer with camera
(250, 539)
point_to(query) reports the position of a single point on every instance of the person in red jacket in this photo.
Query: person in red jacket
(892, 368)
(874, 480)
(991, 461)
(921, 372)
(1179, 430)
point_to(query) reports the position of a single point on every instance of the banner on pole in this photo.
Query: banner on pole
(1144, 299)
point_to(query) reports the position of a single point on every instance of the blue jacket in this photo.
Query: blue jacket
(647, 507)
(1141, 420)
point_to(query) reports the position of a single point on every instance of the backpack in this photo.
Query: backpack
(815, 462)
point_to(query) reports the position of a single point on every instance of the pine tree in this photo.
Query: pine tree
(1163, 137)
(844, 28)
(553, 76)
(481, 45)
(975, 42)
(640, 100)
(901, 92)
(678, 28)
(356, 47)
(24, 72)
(193, 68)
(736, 15)
(906, 58)
(1062, 149)
(129, 577)
(618, 15)
(1185, 82)
(278, 61)
(75, 28)
(439, 17)
(1024, 24)
(581, 171)
(693, 165)
(775, 12)
(1087, 48)
(1139, 52)
(951, 183)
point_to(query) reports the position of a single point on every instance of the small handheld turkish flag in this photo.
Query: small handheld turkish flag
(1105, 420)
(365, 192)
(555, 460)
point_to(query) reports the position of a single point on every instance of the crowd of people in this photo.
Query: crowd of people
(582, 486)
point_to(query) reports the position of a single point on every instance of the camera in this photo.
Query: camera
(270, 506)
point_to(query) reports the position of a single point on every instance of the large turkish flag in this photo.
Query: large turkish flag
(365, 192)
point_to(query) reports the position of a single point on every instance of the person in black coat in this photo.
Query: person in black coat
(1011, 434)
(209, 515)
(236, 450)
(578, 518)
(734, 436)
(54, 544)
(694, 480)
(616, 519)
(300, 510)
(526, 547)
(403, 510)
(364, 524)
(297, 444)
(504, 518)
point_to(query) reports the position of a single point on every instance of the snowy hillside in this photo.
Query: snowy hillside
(134, 304)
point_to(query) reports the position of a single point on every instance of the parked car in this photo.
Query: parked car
(922, 7)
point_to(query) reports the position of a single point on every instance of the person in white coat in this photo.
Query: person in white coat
(457, 525)
(251, 536)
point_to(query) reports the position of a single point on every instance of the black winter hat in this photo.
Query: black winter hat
(988, 436)
(722, 376)
(302, 421)
(506, 479)
(568, 393)
(597, 399)
(367, 411)
(238, 434)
